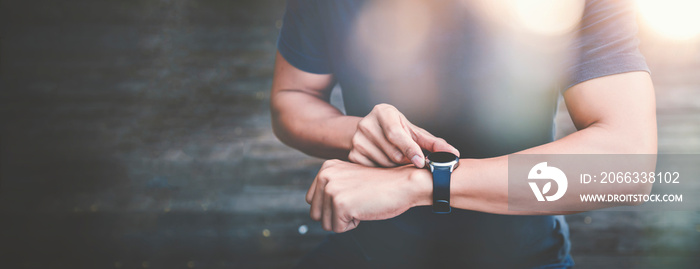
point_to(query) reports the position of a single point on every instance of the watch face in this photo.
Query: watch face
(442, 157)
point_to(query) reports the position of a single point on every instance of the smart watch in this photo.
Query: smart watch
(441, 164)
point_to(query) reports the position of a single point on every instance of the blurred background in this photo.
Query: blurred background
(136, 134)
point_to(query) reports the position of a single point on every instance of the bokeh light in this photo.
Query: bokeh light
(673, 19)
(548, 17)
(540, 17)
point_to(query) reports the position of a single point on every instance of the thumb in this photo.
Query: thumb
(430, 142)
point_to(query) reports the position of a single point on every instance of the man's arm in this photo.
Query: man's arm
(303, 118)
(614, 114)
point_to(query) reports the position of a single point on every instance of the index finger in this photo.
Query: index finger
(396, 130)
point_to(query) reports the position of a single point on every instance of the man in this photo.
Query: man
(440, 83)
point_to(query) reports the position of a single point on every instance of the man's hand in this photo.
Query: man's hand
(386, 138)
(343, 193)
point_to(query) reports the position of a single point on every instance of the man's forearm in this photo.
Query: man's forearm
(614, 114)
(312, 125)
(482, 184)
(302, 116)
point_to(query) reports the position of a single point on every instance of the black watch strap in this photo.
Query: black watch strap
(441, 189)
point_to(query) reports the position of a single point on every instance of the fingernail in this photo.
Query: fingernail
(418, 161)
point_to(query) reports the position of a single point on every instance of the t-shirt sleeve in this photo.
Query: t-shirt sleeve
(301, 41)
(606, 43)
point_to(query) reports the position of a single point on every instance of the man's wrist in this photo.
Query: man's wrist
(421, 184)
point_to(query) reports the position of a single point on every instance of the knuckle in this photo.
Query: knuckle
(339, 203)
(356, 140)
(353, 156)
(331, 189)
(418, 129)
(423, 131)
(394, 134)
(364, 126)
(378, 107)
(410, 152)
(359, 148)
(330, 163)
(322, 180)
(384, 108)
